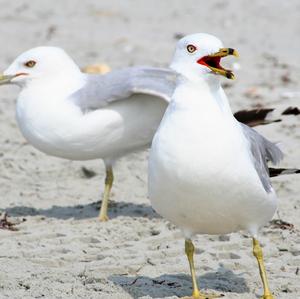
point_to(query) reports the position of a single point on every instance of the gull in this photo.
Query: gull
(66, 113)
(208, 173)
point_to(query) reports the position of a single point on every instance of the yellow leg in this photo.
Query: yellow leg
(257, 252)
(189, 251)
(108, 184)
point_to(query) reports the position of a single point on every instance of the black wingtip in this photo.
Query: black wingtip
(255, 117)
(230, 51)
(282, 171)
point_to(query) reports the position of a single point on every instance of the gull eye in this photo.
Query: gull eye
(30, 63)
(191, 48)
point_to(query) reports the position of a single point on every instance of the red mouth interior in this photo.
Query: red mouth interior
(210, 61)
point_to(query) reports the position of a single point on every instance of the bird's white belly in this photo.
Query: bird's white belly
(110, 132)
(208, 187)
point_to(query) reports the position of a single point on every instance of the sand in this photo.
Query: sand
(60, 249)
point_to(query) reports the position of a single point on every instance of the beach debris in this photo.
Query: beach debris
(97, 68)
(224, 238)
(281, 171)
(255, 117)
(168, 283)
(291, 110)
(6, 224)
(281, 224)
(156, 281)
(154, 232)
(285, 78)
(149, 261)
(258, 116)
(88, 173)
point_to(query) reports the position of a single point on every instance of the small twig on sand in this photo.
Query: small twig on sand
(281, 224)
(5, 224)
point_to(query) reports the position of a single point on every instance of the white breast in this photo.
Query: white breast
(59, 128)
(201, 176)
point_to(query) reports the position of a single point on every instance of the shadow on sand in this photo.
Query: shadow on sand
(84, 211)
(180, 285)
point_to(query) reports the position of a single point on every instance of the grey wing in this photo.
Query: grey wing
(100, 90)
(262, 151)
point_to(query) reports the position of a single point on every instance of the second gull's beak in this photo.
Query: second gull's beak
(5, 79)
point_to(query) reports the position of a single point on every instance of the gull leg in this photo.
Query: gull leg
(257, 252)
(108, 184)
(189, 251)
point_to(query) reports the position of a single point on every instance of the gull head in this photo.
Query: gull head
(41, 63)
(199, 55)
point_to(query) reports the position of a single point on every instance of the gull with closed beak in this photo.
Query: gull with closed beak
(69, 114)
(208, 173)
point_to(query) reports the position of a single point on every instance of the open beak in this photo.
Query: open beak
(213, 62)
(5, 79)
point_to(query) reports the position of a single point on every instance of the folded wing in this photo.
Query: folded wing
(101, 90)
(262, 151)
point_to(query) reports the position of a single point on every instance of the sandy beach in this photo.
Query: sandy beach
(60, 250)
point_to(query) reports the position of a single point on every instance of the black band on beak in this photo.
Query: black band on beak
(230, 51)
(229, 74)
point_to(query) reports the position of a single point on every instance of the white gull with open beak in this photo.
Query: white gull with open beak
(208, 172)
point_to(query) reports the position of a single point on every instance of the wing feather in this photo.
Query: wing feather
(101, 90)
(262, 151)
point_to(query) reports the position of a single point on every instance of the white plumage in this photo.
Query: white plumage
(201, 173)
(66, 113)
(207, 172)
(59, 116)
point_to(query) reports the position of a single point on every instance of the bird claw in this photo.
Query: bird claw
(103, 218)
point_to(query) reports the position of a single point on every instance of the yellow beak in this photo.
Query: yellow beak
(223, 52)
(5, 79)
